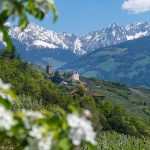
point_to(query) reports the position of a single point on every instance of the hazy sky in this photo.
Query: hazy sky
(82, 16)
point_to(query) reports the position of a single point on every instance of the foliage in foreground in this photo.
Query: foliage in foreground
(16, 9)
(42, 131)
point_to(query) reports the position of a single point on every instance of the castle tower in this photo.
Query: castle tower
(49, 70)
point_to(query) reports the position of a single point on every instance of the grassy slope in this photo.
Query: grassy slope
(133, 99)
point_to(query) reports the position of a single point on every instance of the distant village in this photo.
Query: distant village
(71, 78)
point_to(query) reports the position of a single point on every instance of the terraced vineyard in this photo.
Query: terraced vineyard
(135, 100)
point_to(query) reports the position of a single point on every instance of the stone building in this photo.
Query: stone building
(49, 70)
(73, 76)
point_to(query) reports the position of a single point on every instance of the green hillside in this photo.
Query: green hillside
(37, 92)
(128, 63)
(135, 100)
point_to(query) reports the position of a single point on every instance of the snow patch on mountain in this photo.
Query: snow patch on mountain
(44, 38)
(114, 34)
(44, 44)
(137, 35)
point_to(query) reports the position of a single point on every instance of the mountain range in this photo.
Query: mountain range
(127, 62)
(116, 52)
(39, 37)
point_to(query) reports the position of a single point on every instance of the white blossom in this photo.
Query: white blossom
(46, 142)
(36, 132)
(29, 118)
(81, 129)
(76, 135)
(73, 120)
(42, 137)
(6, 96)
(6, 119)
(4, 85)
(4, 88)
(86, 113)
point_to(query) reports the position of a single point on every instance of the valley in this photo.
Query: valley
(126, 63)
(116, 53)
(124, 111)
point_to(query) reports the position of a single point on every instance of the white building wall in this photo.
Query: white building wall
(75, 77)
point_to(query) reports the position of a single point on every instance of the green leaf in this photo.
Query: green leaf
(7, 39)
(64, 144)
(5, 103)
(19, 10)
(55, 16)
(23, 22)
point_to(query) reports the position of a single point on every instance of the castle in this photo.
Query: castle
(71, 76)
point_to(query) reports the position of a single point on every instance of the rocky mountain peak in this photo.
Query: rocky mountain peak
(37, 36)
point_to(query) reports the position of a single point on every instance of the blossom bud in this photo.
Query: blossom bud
(86, 113)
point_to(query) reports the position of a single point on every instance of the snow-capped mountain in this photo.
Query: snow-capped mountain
(127, 62)
(114, 34)
(39, 37)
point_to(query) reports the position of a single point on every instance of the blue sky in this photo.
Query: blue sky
(83, 16)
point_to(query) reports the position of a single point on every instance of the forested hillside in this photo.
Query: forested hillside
(30, 83)
(128, 63)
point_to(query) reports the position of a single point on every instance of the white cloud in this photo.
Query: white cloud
(136, 6)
